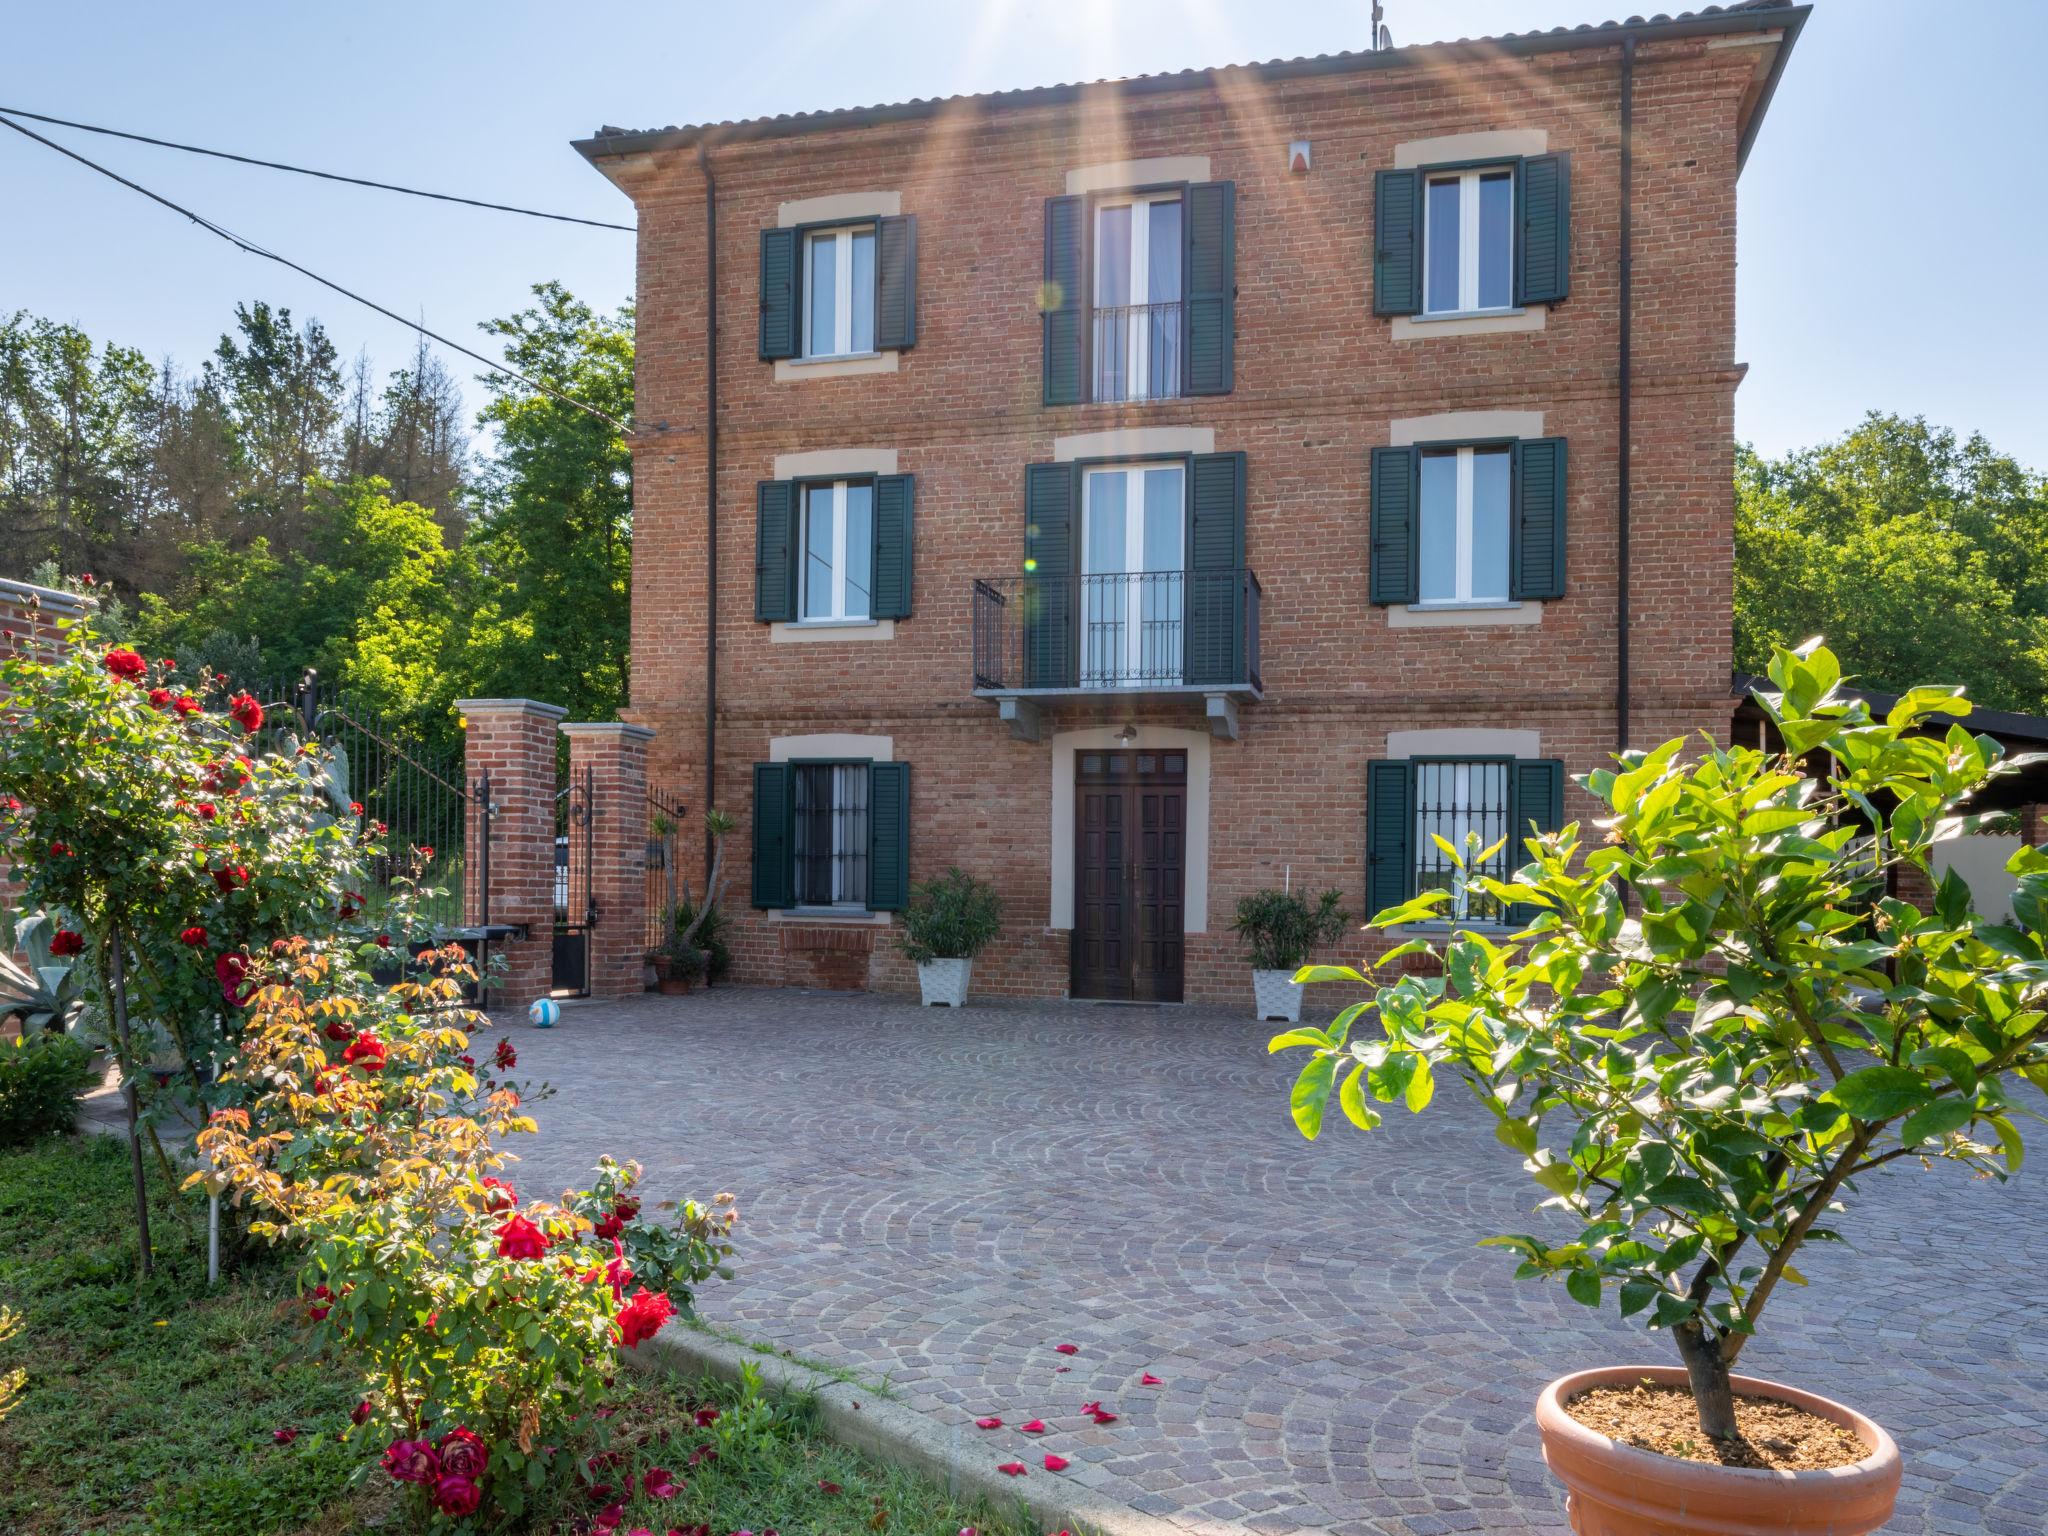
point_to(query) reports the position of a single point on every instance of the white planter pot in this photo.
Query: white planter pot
(944, 981)
(1278, 998)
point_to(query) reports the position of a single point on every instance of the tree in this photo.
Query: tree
(282, 390)
(1919, 557)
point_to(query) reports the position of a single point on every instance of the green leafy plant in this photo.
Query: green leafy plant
(41, 1077)
(48, 993)
(954, 917)
(703, 932)
(1718, 1020)
(672, 1258)
(1281, 930)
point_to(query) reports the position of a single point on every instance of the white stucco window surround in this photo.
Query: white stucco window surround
(1122, 175)
(1502, 144)
(1151, 738)
(1464, 741)
(832, 745)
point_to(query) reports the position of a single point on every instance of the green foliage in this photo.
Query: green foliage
(1918, 556)
(674, 1259)
(41, 1077)
(708, 941)
(47, 993)
(1280, 930)
(1717, 1019)
(954, 917)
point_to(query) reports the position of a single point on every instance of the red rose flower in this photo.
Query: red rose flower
(159, 697)
(318, 1304)
(365, 1051)
(355, 807)
(412, 1461)
(125, 664)
(627, 1208)
(230, 971)
(610, 1227)
(521, 1239)
(340, 1032)
(247, 713)
(463, 1454)
(60, 850)
(360, 1414)
(641, 1318)
(499, 1195)
(383, 941)
(457, 1496)
(206, 810)
(506, 1057)
(230, 876)
(65, 942)
(193, 937)
(425, 852)
(185, 704)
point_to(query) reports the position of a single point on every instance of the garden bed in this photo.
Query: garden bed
(156, 1407)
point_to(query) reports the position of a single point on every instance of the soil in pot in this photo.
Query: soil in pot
(1774, 1434)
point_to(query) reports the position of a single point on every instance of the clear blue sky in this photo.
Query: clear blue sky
(1893, 218)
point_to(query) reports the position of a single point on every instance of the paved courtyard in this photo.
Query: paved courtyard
(937, 1199)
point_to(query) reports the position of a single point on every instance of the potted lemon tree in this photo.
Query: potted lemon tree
(1717, 1021)
(1280, 931)
(946, 923)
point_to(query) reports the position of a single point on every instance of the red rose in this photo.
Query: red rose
(521, 1239)
(425, 852)
(67, 943)
(247, 713)
(230, 971)
(618, 1273)
(457, 1496)
(340, 1033)
(205, 810)
(193, 937)
(168, 663)
(185, 704)
(464, 1455)
(355, 807)
(319, 1303)
(60, 850)
(499, 1195)
(627, 1208)
(412, 1461)
(641, 1318)
(610, 1227)
(159, 697)
(506, 1057)
(365, 1051)
(126, 664)
(383, 941)
(230, 876)
(360, 1414)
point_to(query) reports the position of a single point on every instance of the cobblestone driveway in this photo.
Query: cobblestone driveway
(939, 1198)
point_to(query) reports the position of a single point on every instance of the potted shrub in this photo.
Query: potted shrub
(946, 923)
(678, 965)
(1716, 1022)
(1280, 930)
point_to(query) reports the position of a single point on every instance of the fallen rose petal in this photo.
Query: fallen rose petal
(1067, 1349)
(991, 1422)
(1061, 1370)
(1055, 1463)
(599, 1492)
(284, 1436)
(1034, 1427)
(1012, 1469)
(826, 1486)
(1095, 1407)
(659, 1484)
(609, 1517)
(1101, 1417)
(1149, 1380)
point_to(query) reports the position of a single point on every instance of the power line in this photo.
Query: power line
(256, 250)
(301, 170)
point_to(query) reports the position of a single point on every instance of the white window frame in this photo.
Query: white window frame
(1137, 338)
(1132, 662)
(1468, 180)
(842, 291)
(839, 614)
(1463, 543)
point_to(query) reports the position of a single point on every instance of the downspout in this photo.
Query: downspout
(1622, 466)
(711, 496)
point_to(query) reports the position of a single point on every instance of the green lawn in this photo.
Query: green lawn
(150, 1407)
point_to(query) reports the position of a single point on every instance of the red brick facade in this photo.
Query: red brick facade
(1318, 380)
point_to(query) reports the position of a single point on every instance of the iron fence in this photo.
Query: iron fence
(666, 814)
(1135, 631)
(1137, 352)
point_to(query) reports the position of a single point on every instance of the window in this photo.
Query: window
(839, 292)
(838, 543)
(1132, 576)
(1138, 298)
(1464, 524)
(1467, 805)
(1469, 241)
(831, 827)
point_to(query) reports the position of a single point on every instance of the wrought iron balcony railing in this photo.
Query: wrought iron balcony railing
(1137, 352)
(1148, 631)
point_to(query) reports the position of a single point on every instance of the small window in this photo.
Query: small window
(838, 541)
(831, 806)
(1469, 241)
(1464, 524)
(1137, 307)
(1465, 804)
(839, 292)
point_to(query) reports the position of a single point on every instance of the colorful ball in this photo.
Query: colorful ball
(544, 1012)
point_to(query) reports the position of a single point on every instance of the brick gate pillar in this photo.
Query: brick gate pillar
(513, 740)
(616, 755)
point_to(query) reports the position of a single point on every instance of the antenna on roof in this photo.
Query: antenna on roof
(1382, 39)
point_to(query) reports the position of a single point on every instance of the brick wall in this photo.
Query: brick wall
(1318, 379)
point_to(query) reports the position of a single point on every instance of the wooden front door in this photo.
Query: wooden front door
(1130, 873)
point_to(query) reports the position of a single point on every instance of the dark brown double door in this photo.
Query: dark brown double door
(1130, 874)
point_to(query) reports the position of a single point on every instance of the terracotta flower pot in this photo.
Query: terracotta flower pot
(1617, 1490)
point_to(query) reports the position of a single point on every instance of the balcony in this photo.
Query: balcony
(1137, 352)
(1145, 632)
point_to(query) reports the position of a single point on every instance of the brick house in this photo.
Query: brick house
(1140, 493)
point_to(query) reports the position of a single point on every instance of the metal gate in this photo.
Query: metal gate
(665, 816)
(575, 900)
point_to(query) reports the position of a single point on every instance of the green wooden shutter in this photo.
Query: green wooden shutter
(1064, 300)
(1215, 575)
(1536, 795)
(893, 505)
(1397, 243)
(1543, 218)
(1209, 305)
(1051, 495)
(774, 862)
(775, 544)
(888, 836)
(1536, 554)
(1396, 524)
(896, 283)
(1389, 834)
(781, 333)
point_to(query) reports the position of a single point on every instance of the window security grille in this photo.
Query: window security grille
(1460, 802)
(831, 834)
